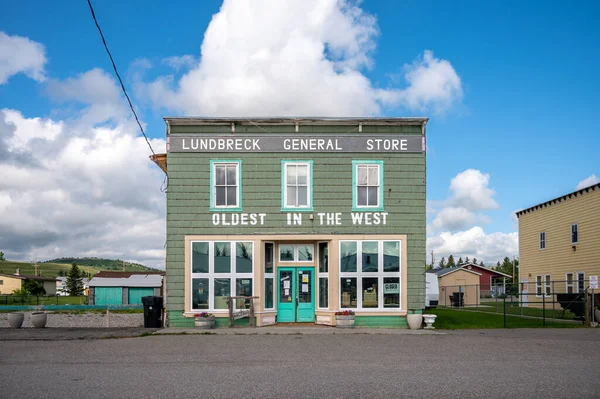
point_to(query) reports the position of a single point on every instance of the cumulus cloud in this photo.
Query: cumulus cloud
(178, 62)
(21, 55)
(588, 181)
(470, 190)
(474, 242)
(80, 187)
(307, 60)
(455, 218)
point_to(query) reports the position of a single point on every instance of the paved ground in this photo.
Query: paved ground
(458, 364)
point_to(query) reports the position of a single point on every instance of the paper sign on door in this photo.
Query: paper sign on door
(286, 284)
(304, 287)
(305, 278)
(286, 292)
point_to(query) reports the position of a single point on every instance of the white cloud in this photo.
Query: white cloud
(21, 55)
(474, 242)
(178, 62)
(456, 218)
(471, 191)
(433, 84)
(80, 187)
(306, 60)
(588, 181)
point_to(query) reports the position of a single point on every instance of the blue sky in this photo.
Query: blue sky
(521, 113)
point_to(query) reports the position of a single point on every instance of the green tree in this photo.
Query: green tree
(475, 260)
(74, 283)
(2, 255)
(467, 260)
(460, 261)
(442, 263)
(481, 264)
(61, 273)
(451, 262)
(428, 267)
(34, 288)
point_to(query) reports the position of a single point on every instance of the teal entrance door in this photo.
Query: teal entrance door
(295, 295)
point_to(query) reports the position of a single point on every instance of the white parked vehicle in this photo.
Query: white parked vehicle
(432, 291)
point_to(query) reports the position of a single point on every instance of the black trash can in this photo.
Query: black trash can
(458, 299)
(152, 311)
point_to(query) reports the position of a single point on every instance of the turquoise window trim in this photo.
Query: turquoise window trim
(214, 208)
(355, 207)
(308, 208)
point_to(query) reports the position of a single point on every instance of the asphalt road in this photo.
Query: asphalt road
(470, 364)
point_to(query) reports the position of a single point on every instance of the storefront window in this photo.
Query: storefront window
(269, 293)
(200, 293)
(366, 285)
(305, 252)
(222, 257)
(323, 292)
(243, 262)
(348, 256)
(222, 291)
(348, 292)
(200, 257)
(286, 253)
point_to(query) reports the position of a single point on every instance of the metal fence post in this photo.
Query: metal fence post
(553, 301)
(505, 309)
(544, 309)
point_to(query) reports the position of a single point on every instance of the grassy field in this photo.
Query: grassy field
(515, 308)
(51, 269)
(460, 319)
(12, 300)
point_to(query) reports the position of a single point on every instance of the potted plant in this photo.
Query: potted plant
(15, 319)
(415, 319)
(38, 319)
(344, 319)
(204, 320)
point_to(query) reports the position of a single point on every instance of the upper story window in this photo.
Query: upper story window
(542, 240)
(296, 186)
(367, 185)
(574, 234)
(226, 187)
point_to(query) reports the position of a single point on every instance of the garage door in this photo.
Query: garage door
(136, 294)
(108, 296)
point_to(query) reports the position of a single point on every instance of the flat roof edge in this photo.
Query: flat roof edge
(174, 120)
(575, 193)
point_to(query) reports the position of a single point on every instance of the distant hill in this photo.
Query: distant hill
(52, 268)
(104, 264)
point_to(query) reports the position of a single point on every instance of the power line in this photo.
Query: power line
(119, 76)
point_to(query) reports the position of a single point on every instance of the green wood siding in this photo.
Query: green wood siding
(188, 198)
(136, 293)
(108, 296)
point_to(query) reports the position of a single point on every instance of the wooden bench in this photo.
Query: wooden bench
(241, 313)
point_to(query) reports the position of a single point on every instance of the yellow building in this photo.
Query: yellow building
(458, 287)
(559, 244)
(9, 283)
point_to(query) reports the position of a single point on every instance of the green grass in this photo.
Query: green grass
(14, 300)
(52, 268)
(516, 309)
(460, 319)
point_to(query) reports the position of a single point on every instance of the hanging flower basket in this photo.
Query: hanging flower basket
(344, 319)
(204, 320)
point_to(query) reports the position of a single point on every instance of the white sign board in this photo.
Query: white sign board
(391, 288)
(594, 282)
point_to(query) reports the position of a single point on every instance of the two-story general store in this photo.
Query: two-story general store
(309, 215)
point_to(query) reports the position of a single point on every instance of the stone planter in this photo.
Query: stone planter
(414, 320)
(15, 320)
(38, 319)
(204, 323)
(344, 321)
(429, 320)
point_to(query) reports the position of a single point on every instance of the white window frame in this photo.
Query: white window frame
(576, 225)
(321, 275)
(296, 257)
(356, 164)
(570, 283)
(547, 285)
(284, 187)
(542, 240)
(381, 275)
(213, 186)
(270, 276)
(577, 274)
(539, 286)
(211, 275)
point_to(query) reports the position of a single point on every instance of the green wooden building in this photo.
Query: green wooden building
(308, 215)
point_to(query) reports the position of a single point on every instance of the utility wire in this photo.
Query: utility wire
(119, 76)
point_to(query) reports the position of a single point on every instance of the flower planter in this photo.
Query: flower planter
(414, 320)
(204, 323)
(38, 319)
(15, 320)
(344, 321)
(429, 320)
